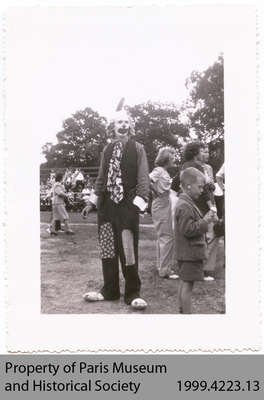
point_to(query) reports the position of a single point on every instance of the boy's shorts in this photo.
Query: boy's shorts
(190, 271)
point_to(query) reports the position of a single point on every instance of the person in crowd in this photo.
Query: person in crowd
(52, 177)
(48, 199)
(191, 226)
(208, 170)
(212, 239)
(194, 157)
(86, 192)
(78, 198)
(67, 179)
(58, 206)
(70, 200)
(74, 178)
(58, 227)
(44, 201)
(161, 212)
(121, 192)
(43, 188)
(79, 187)
(220, 191)
(79, 181)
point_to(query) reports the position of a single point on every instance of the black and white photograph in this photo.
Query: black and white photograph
(129, 117)
(132, 184)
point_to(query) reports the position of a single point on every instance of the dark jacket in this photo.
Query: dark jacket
(207, 194)
(134, 167)
(190, 229)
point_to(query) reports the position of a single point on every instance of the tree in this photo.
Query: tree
(85, 134)
(205, 108)
(79, 143)
(157, 124)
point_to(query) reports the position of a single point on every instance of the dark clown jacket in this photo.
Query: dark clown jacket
(134, 169)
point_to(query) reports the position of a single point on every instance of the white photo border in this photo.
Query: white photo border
(239, 328)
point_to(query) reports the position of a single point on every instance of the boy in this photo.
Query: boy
(190, 229)
(59, 212)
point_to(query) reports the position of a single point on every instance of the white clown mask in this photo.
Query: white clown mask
(122, 123)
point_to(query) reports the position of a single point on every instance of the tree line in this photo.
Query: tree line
(201, 115)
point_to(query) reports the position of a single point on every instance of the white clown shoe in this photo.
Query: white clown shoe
(93, 296)
(139, 304)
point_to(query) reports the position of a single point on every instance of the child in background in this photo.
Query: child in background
(58, 206)
(86, 192)
(190, 229)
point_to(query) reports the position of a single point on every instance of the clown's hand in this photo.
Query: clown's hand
(88, 208)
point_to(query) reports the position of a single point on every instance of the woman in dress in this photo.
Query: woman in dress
(161, 211)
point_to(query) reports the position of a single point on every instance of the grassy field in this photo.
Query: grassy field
(70, 266)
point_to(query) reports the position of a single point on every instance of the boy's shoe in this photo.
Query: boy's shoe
(209, 278)
(93, 296)
(48, 230)
(139, 304)
(60, 230)
(53, 234)
(69, 233)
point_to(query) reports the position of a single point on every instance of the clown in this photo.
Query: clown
(121, 192)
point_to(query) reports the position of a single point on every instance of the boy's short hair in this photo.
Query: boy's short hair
(58, 177)
(190, 175)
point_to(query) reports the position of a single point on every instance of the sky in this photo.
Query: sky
(64, 60)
